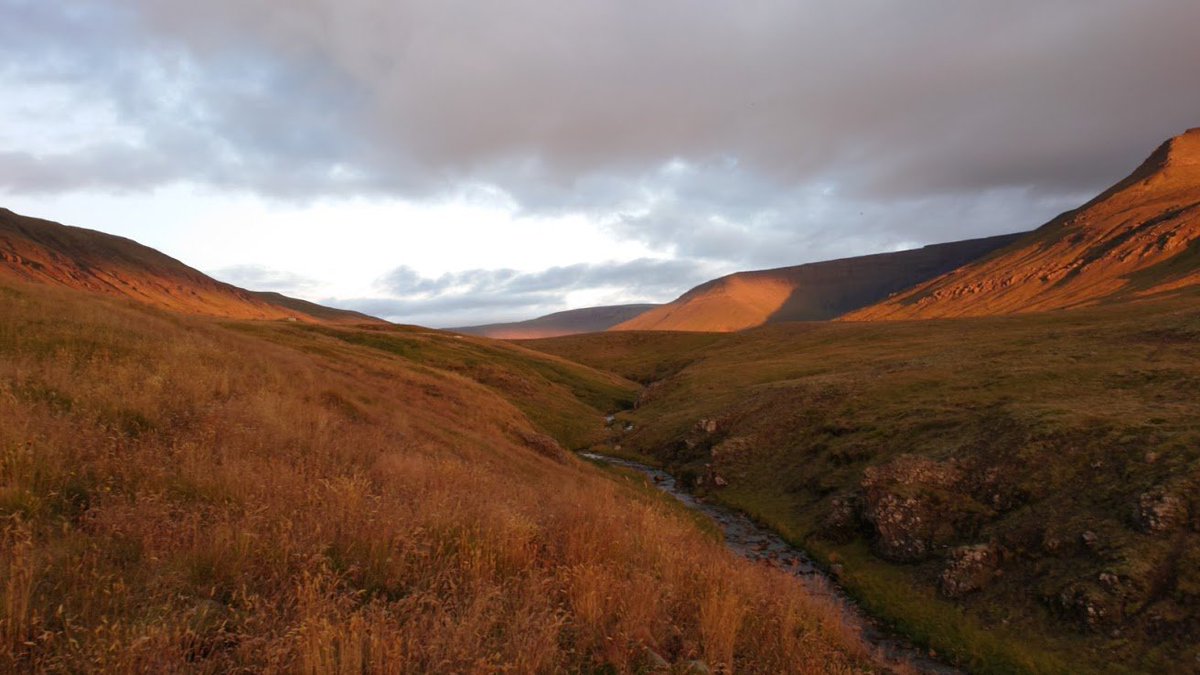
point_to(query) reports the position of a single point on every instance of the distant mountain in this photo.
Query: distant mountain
(1140, 237)
(570, 322)
(812, 292)
(46, 252)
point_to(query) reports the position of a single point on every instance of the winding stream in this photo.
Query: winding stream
(751, 541)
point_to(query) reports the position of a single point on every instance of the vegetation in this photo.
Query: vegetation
(181, 494)
(1059, 449)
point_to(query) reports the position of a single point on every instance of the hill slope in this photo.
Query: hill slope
(812, 292)
(41, 251)
(1020, 491)
(1138, 238)
(570, 322)
(181, 494)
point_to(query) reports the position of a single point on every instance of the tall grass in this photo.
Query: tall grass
(177, 496)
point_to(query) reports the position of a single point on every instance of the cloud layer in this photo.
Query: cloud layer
(743, 134)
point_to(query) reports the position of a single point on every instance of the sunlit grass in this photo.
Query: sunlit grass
(176, 495)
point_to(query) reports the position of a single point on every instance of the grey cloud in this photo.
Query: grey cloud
(483, 295)
(730, 135)
(542, 98)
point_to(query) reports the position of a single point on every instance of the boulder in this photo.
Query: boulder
(1159, 511)
(914, 505)
(970, 568)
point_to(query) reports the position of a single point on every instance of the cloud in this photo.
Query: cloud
(487, 295)
(260, 278)
(724, 135)
(540, 98)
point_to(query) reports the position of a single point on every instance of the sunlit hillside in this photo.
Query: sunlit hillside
(180, 494)
(1020, 492)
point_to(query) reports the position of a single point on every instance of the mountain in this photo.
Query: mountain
(1141, 237)
(812, 292)
(312, 309)
(570, 322)
(45, 252)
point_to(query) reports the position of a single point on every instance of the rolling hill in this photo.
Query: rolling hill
(570, 322)
(41, 251)
(185, 492)
(1139, 238)
(812, 292)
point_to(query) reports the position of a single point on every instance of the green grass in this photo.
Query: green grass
(1076, 414)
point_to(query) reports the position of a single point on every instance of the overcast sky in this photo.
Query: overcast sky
(462, 161)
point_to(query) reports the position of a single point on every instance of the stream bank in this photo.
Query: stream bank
(756, 543)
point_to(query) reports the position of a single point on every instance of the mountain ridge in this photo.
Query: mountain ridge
(1139, 237)
(809, 292)
(36, 250)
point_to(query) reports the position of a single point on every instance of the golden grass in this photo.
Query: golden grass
(178, 496)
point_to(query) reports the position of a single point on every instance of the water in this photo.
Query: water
(751, 541)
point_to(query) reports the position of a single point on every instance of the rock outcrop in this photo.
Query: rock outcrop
(914, 506)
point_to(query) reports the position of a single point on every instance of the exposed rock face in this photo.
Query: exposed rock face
(813, 292)
(1160, 510)
(913, 506)
(1139, 237)
(970, 568)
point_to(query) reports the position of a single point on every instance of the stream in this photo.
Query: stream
(751, 541)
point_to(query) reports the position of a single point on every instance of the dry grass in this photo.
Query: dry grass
(177, 496)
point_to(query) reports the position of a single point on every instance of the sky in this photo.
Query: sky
(453, 162)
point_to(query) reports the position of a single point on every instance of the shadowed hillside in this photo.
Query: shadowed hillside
(1139, 238)
(811, 292)
(570, 322)
(45, 252)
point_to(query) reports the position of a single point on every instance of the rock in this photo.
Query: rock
(1160, 510)
(1110, 581)
(1092, 607)
(719, 481)
(730, 447)
(971, 568)
(707, 426)
(914, 506)
(1090, 539)
(696, 668)
(841, 521)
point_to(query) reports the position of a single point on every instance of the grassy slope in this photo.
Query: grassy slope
(1075, 415)
(182, 494)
